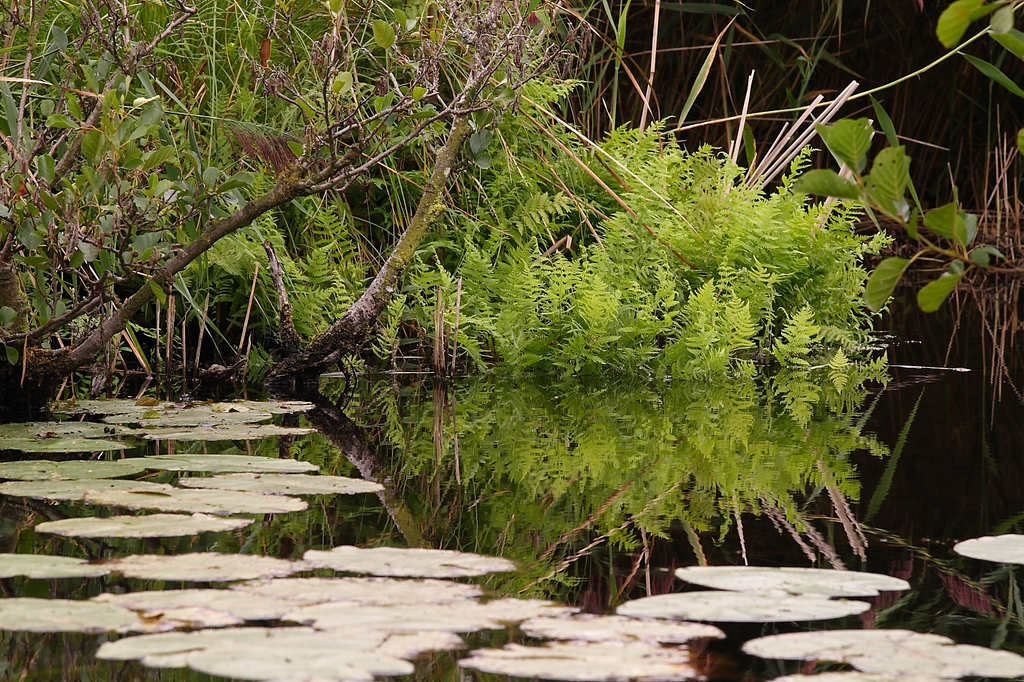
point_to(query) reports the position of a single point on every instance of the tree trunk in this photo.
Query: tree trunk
(348, 334)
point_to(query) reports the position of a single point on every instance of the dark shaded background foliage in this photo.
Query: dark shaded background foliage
(950, 117)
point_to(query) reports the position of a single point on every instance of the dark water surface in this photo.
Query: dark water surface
(599, 490)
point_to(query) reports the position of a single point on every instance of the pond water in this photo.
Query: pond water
(599, 492)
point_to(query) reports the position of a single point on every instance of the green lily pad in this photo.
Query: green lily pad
(809, 581)
(227, 464)
(407, 562)
(587, 627)
(241, 605)
(150, 526)
(271, 406)
(169, 415)
(890, 651)
(59, 437)
(285, 484)
(62, 615)
(211, 432)
(76, 490)
(45, 470)
(366, 591)
(165, 646)
(42, 567)
(740, 607)
(462, 616)
(205, 501)
(1002, 549)
(586, 662)
(202, 567)
(109, 406)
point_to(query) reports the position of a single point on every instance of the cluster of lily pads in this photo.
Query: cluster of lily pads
(270, 623)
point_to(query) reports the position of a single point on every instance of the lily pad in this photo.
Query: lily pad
(1002, 549)
(407, 562)
(890, 651)
(109, 406)
(151, 526)
(285, 484)
(189, 415)
(66, 436)
(241, 605)
(586, 627)
(366, 591)
(172, 650)
(41, 567)
(224, 432)
(810, 581)
(463, 616)
(227, 464)
(61, 615)
(271, 406)
(205, 501)
(75, 491)
(202, 567)
(181, 618)
(858, 676)
(45, 470)
(740, 607)
(296, 662)
(590, 662)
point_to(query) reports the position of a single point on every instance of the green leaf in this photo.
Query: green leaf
(1020, 140)
(827, 183)
(296, 147)
(8, 315)
(156, 157)
(417, 93)
(45, 166)
(9, 122)
(158, 291)
(849, 141)
(479, 140)
(970, 228)
(885, 122)
(980, 257)
(240, 179)
(883, 280)
(342, 83)
(1013, 41)
(954, 20)
(211, 175)
(1002, 20)
(932, 295)
(383, 34)
(334, 6)
(60, 121)
(12, 354)
(943, 220)
(887, 183)
(995, 75)
(91, 144)
(702, 75)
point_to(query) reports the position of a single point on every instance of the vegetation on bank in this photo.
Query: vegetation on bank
(336, 177)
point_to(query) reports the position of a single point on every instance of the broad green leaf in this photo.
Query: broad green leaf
(91, 144)
(45, 166)
(1001, 21)
(157, 156)
(9, 122)
(211, 175)
(1020, 141)
(1013, 41)
(954, 20)
(932, 295)
(417, 93)
(158, 291)
(479, 140)
(995, 75)
(849, 141)
(240, 179)
(887, 183)
(342, 83)
(883, 280)
(885, 122)
(335, 6)
(966, 228)
(383, 34)
(60, 121)
(826, 182)
(8, 316)
(981, 258)
(943, 220)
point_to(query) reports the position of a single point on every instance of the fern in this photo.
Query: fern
(387, 336)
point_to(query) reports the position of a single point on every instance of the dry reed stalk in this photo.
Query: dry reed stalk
(439, 362)
(694, 539)
(170, 335)
(455, 333)
(130, 340)
(734, 154)
(248, 309)
(654, 61)
(156, 355)
(202, 331)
